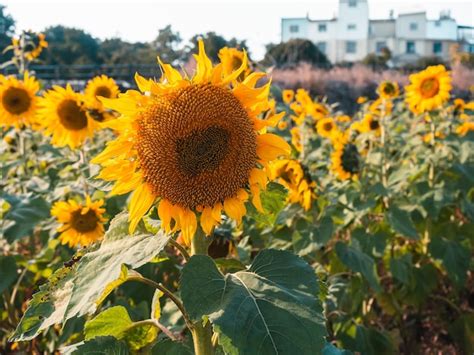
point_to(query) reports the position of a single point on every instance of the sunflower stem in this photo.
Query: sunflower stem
(202, 334)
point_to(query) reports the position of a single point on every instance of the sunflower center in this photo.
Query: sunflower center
(71, 115)
(16, 100)
(429, 88)
(84, 223)
(389, 89)
(97, 115)
(196, 146)
(350, 159)
(103, 91)
(327, 126)
(374, 124)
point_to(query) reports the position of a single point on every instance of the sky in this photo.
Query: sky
(257, 21)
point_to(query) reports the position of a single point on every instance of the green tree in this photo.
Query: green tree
(294, 52)
(166, 45)
(116, 51)
(7, 29)
(70, 46)
(213, 43)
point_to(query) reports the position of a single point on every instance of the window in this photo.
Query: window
(410, 47)
(322, 47)
(351, 47)
(438, 23)
(437, 47)
(322, 27)
(351, 26)
(352, 3)
(379, 46)
(413, 26)
(294, 28)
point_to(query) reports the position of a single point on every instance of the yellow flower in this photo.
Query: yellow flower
(388, 90)
(288, 96)
(296, 139)
(370, 124)
(345, 160)
(290, 173)
(63, 116)
(82, 224)
(282, 125)
(194, 145)
(464, 128)
(361, 99)
(428, 89)
(101, 86)
(381, 107)
(231, 60)
(428, 138)
(327, 128)
(343, 118)
(18, 100)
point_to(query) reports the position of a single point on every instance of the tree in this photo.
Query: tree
(70, 46)
(166, 45)
(293, 52)
(116, 51)
(213, 43)
(7, 29)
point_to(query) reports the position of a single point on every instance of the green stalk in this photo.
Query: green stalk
(202, 334)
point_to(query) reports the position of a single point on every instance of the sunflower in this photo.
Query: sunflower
(18, 100)
(101, 86)
(288, 96)
(82, 224)
(370, 124)
(282, 125)
(194, 145)
(464, 128)
(291, 174)
(362, 99)
(343, 118)
(428, 89)
(63, 116)
(231, 60)
(388, 90)
(296, 139)
(345, 160)
(381, 107)
(326, 127)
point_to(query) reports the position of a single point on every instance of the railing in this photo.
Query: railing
(123, 72)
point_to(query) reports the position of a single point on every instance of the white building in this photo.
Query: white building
(352, 35)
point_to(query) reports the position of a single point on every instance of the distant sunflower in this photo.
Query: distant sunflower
(296, 139)
(362, 99)
(428, 89)
(370, 124)
(345, 160)
(381, 107)
(326, 127)
(231, 60)
(18, 100)
(388, 90)
(287, 96)
(82, 224)
(291, 174)
(194, 145)
(466, 127)
(63, 116)
(101, 86)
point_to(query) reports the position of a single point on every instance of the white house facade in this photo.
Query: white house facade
(352, 35)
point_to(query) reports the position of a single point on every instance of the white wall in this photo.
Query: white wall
(403, 23)
(442, 29)
(286, 23)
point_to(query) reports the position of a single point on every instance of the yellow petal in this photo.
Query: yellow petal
(235, 208)
(271, 146)
(142, 200)
(188, 223)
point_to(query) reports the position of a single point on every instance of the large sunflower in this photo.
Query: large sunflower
(18, 100)
(345, 159)
(194, 145)
(428, 89)
(388, 90)
(62, 115)
(82, 224)
(291, 174)
(101, 86)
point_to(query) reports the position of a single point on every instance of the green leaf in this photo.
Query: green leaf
(98, 346)
(271, 308)
(113, 321)
(401, 222)
(25, 212)
(359, 262)
(401, 268)
(454, 256)
(370, 341)
(309, 238)
(462, 330)
(273, 201)
(75, 291)
(8, 272)
(169, 347)
(330, 349)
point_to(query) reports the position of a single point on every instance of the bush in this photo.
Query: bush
(294, 52)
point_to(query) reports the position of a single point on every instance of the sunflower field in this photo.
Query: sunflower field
(212, 212)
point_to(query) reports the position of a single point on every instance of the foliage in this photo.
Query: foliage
(293, 52)
(213, 43)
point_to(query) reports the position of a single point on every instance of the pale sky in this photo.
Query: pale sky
(257, 21)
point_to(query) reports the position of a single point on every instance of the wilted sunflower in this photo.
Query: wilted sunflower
(82, 224)
(291, 174)
(388, 90)
(231, 60)
(326, 127)
(287, 96)
(101, 86)
(63, 116)
(345, 159)
(195, 145)
(428, 89)
(18, 100)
